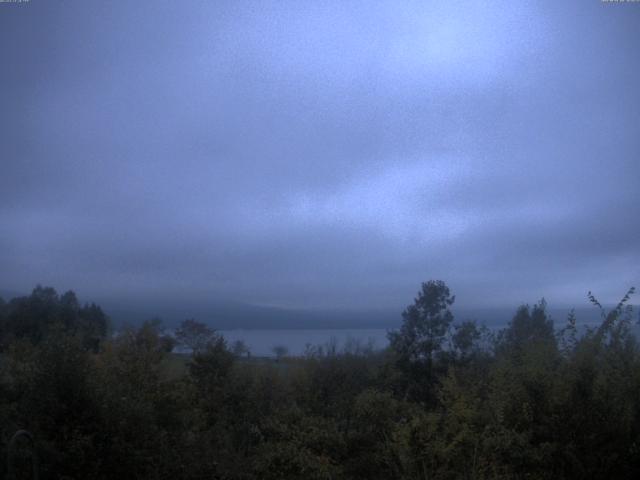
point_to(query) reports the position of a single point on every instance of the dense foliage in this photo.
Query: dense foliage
(446, 400)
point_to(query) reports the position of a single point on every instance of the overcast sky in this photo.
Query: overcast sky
(318, 153)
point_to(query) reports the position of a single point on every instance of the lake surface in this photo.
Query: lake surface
(261, 342)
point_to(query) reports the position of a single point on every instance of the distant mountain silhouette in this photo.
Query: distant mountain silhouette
(229, 315)
(225, 315)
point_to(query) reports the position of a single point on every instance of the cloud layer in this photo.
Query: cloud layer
(324, 154)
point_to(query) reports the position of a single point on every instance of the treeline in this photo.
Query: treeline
(445, 400)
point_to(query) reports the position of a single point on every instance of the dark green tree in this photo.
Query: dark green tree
(418, 344)
(194, 335)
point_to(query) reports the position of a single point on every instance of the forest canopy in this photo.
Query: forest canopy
(445, 399)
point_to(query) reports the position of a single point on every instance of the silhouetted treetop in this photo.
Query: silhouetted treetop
(35, 316)
(425, 323)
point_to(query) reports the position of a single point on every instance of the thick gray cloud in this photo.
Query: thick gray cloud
(320, 154)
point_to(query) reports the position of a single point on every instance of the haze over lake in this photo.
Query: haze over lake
(262, 341)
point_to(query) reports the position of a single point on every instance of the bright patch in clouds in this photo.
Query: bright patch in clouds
(401, 202)
(469, 43)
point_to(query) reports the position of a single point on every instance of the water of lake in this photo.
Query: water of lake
(261, 342)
